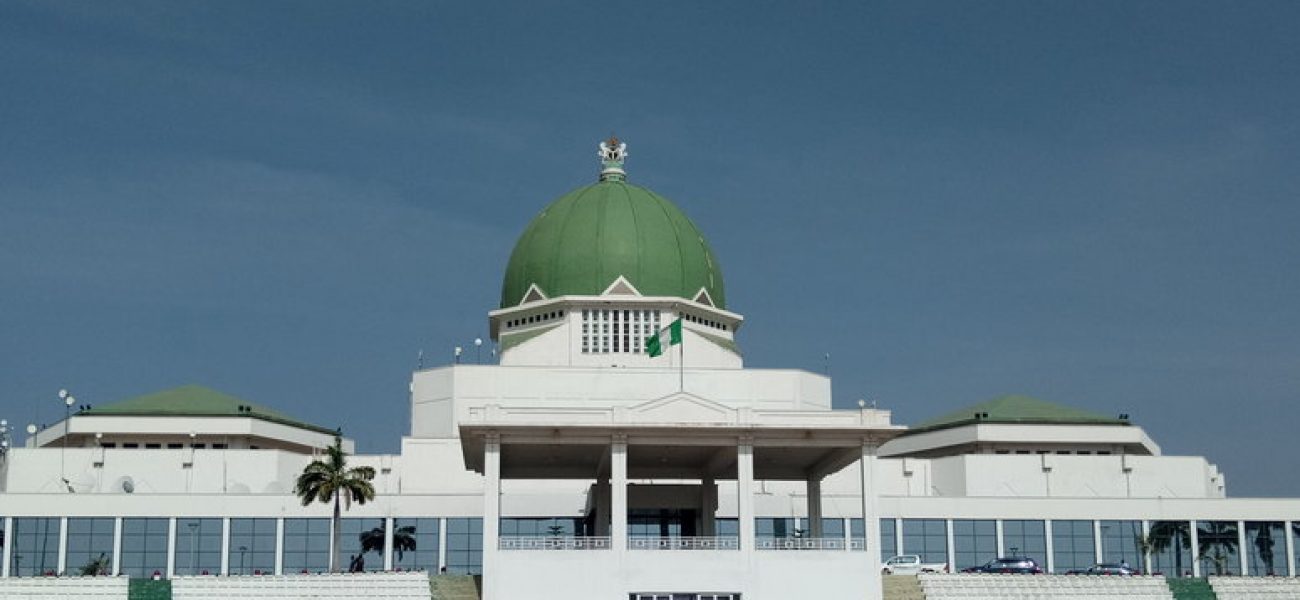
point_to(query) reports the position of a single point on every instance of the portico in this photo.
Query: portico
(657, 466)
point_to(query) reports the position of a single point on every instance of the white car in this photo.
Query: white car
(910, 564)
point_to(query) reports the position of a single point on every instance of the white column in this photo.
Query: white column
(870, 515)
(745, 493)
(708, 517)
(117, 546)
(1051, 546)
(618, 493)
(848, 535)
(491, 512)
(1196, 550)
(1146, 556)
(8, 547)
(952, 546)
(898, 535)
(997, 533)
(171, 547)
(442, 544)
(279, 546)
(63, 546)
(388, 544)
(1241, 547)
(1096, 542)
(1286, 529)
(815, 506)
(225, 546)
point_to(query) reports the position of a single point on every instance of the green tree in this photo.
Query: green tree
(98, 566)
(330, 480)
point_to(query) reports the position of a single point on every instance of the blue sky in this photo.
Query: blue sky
(1093, 203)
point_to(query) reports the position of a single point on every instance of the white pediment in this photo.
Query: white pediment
(621, 287)
(534, 294)
(704, 297)
(681, 408)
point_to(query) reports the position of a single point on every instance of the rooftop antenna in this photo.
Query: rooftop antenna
(457, 353)
(419, 360)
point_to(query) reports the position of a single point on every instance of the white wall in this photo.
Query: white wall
(441, 397)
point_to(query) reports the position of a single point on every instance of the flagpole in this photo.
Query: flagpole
(681, 364)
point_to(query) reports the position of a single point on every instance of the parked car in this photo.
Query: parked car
(1106, 569)
(1008, 564)
(910, 564)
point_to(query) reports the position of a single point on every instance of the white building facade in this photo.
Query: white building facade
(584, 465)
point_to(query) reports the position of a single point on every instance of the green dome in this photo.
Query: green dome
(586, 239)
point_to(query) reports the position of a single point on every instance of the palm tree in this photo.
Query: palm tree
(98, 566)
(403, 540)
(1264, 544)
(331, 480)
(1221, 536)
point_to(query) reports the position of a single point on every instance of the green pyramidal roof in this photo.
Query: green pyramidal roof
(1017, 409)
(582, 242)
(196, 401)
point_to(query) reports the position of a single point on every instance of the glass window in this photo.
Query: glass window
(1171, 547)
(144, 547)
(1025, 538)
(252, 546)
(361, 545)
(1266, 548)
(1121, 542)
(415, 544)
(1295, 543)
(541, 527)
(35, 546)
(90, 546)
(727, 527)
(888, 536)
(974, 542)
(307, 546)
(465, 546)
(927, 538)
(198, 547)
(775, 527)
(1218, 547)
(1073, 546)
(833, 528)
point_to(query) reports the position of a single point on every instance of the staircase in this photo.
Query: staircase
(149, 589)
(1191, 588)
(902, 587)
(454, 587)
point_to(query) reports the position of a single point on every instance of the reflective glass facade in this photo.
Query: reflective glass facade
(415, 544)
(198, 546)
(1219, 547)
(252, 546)
(35, 549)
(1171, 548)
(465, 546)
(1025, 538)
(1121, 542)
(888, 537)
(1266, 548)
(307, 546)
(361, 545)
(975, 542)
(1073, 546)
(90, 546)
(144, 547)
(927, 538)
(774, 527)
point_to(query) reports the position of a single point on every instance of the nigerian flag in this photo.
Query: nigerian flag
(654, 345)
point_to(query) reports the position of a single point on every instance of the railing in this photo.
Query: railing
(554, 543)
(684, 543)
(807, 543)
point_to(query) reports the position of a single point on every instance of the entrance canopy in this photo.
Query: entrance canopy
(680, 436)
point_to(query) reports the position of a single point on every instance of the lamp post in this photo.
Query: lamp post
(242, 550)
(194, 538)
(68, 401)
(478, 351)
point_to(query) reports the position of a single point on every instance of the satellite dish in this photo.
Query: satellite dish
(128, 485)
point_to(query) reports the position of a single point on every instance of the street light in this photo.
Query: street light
(478, 350)
(68, 401)
(242, 550)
